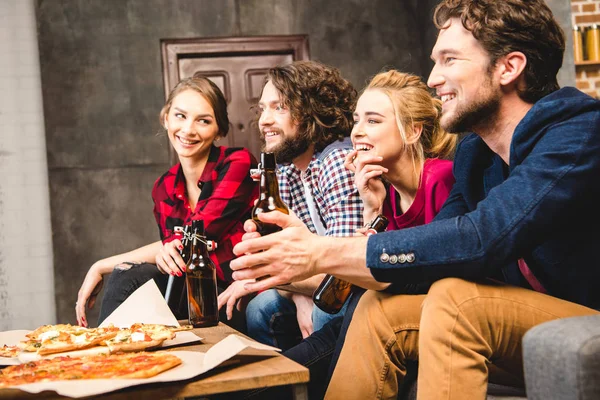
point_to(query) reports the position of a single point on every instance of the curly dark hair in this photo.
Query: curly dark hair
(504, 26)
(319, 100)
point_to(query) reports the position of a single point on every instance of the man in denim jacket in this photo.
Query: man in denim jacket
(514, 246)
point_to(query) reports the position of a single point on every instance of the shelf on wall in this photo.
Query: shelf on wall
(585, 63)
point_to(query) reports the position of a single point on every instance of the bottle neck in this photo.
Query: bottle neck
(198, 239)
(268, 184)
(199, 246)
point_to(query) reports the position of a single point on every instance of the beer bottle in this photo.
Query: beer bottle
(201, 280)
(268, 199)
(176, 293)
(332, 293)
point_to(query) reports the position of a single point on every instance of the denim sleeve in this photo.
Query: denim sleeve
(551, 188)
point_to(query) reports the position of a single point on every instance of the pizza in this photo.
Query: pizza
(113, 366)
(60, 338)
(51, 339)
(140, 337)
(9, 351)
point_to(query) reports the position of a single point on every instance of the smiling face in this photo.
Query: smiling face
(463, 79)
(279, 132)
(375, 127)
(191, 125)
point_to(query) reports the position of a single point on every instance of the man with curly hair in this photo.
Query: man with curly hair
(506, 252)
(305, 119)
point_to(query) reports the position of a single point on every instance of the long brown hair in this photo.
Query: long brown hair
(210, 92)
(319, 99)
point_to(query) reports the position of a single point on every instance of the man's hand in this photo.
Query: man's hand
(234, 296)
(304, 308)
(286, 256)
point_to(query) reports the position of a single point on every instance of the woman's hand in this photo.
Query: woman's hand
(234, 296)
(86, 297)
(304, 308)
(168, 259)
(367, 174)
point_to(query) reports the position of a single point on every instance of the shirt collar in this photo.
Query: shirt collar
(291, 170)
(179, 188)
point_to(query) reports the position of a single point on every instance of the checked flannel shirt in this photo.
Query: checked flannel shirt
(226, 199)
(333, 191)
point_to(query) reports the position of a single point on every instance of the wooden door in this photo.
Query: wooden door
(238, 67)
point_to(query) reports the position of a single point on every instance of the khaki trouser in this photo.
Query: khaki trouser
(460, 332)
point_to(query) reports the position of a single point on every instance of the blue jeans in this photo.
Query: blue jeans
(271, 319)
(319, 353)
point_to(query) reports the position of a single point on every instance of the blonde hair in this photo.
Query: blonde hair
(414, 105)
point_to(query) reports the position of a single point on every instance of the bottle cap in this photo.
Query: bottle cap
(267, 160)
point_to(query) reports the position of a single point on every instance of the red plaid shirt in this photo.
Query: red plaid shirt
(226, 199)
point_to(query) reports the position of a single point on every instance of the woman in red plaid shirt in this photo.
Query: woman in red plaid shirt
(210, 182)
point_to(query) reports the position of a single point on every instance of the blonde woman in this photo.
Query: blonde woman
(400, 150)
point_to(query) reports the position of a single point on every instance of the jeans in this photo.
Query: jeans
(318, 352)
(122, 282)
(271, 319)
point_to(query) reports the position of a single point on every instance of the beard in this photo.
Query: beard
(481, 112)
(289, 148)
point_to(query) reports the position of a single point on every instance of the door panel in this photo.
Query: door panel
(240, 78)
(238, 67)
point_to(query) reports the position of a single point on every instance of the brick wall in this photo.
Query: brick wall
(585, 13)
(26, 271)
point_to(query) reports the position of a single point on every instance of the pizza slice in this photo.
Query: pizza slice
(42, 330)
(140, 337)
(9, 351)
(52, 339)
(114, 366)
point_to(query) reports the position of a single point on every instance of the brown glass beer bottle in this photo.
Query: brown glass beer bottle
(268, 199)
(176, 293)
(201, 280)
(332, 293)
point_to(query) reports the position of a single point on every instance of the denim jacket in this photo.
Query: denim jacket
(544, 207)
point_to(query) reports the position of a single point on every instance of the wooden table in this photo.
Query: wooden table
(241, 373)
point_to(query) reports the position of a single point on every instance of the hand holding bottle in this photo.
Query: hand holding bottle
(169, 260)
(269, 199)
(285, 256)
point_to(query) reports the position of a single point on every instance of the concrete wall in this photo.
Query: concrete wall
(102, 87)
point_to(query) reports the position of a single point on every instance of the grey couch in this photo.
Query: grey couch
(562, 359)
